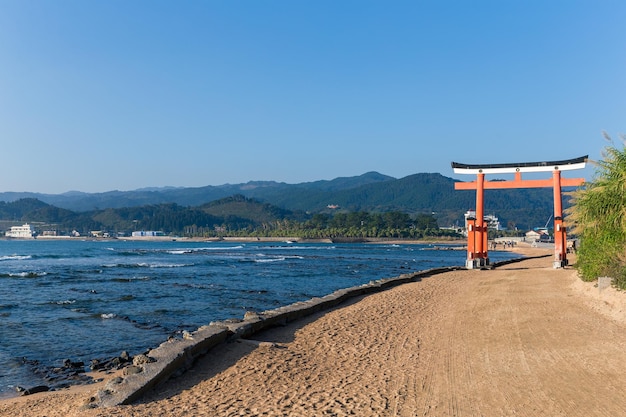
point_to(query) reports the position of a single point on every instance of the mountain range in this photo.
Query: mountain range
(372, 192)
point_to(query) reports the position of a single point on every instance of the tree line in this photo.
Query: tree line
(352, 225)
(232, 216)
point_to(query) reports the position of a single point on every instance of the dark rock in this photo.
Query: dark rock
(30, 362)
(96, 365)
(118, 362)
(115, 363)
(74, 365)
(38, 388)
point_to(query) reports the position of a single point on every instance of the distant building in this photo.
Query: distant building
(148, 233)
(535, 236)
(491, 220)
(21, 232)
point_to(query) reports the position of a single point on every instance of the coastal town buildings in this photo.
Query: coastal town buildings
(21, 232)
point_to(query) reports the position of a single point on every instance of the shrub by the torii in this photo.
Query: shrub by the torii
(477, 256)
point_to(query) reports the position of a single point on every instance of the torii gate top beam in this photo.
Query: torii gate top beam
(565, 165)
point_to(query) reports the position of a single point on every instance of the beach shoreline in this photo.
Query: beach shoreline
(99, 378)
(76, 400)
(249, 239)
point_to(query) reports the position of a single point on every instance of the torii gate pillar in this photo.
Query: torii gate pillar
(477, 238)
(477, 256)
(560, 238)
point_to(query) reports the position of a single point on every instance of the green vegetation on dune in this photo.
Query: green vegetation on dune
(599, 219)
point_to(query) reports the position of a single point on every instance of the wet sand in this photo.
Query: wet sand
(523, 339)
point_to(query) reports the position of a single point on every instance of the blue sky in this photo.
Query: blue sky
(104, 95)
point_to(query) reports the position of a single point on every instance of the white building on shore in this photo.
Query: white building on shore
(492, 221)
(148, 233)
(21, 232)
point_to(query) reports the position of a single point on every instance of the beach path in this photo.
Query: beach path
(522, 340)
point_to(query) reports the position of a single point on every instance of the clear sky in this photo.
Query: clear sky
(114, 94)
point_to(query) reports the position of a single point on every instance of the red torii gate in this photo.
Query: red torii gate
(477, 256)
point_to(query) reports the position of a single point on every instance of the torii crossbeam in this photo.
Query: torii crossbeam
(477, 256)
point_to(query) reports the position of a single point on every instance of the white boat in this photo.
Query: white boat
(21, 232)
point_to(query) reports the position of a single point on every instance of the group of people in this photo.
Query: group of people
(505, 243)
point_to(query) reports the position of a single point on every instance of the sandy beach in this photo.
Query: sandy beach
(523, 339)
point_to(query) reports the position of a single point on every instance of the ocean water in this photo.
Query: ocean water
(82, 300)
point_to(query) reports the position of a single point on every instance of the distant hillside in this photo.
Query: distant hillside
(268, 191)
(371, 192)
(233, 213)
(241, 207)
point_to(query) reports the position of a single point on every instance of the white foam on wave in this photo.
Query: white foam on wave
(183, 251)
(146, 265)
(159, 265)
(297, 247)
(15, 257)
(268, 260)
(108, 316)
(278, 258)
(28, 274)
(179, 251)
(169, 265)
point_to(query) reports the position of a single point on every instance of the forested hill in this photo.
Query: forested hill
(195, 196)
(371, 192)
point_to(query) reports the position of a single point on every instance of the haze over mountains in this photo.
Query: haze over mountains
(372, 192)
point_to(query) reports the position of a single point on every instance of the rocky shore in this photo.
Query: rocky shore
(72, 373)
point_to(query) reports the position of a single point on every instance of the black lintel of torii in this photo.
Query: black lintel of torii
(566, 164)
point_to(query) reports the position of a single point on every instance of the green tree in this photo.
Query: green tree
(599, 218)
(425, 221)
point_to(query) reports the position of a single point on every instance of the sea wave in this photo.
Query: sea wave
(25, 274)
(131, 279)
(268, 260)
(176, 251)
(183, 251)
(198, 286)
(166, 265)
(262, 257)
(15, 257)
(296, 247)
(65, 302)
(145, 265)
